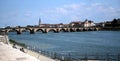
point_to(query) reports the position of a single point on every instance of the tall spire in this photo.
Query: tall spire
(39, 21)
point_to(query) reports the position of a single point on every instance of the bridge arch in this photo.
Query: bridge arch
(40, 30)
(26, 31)
(95, 29)
(85, 29)
(13, 30)
(78, 30)
(31, 30)
(90, 29)
(52, 30)
(63, 30)
(72, 30)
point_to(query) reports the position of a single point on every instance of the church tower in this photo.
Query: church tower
(39, 22)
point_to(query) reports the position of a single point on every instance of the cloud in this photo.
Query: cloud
(66, 9)
(82, 11)
(72, 6)
(96, 4)
(61, 10)
(28, 13)
(112, 12)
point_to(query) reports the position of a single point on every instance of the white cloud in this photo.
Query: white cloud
(28, 13)
(61, 10)
(72, 6)
(93, 10)
(111, 12)
(96, 4)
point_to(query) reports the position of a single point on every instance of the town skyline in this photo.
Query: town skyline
(25, 12)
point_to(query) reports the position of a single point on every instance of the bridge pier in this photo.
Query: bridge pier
(91, 29)
(67, 30)
(72, 30)
(84, 29)
(57, 31)
(44, 32)
(18, 32)
(32, 31)
(78, 30)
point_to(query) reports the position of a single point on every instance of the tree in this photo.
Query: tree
(114, 21)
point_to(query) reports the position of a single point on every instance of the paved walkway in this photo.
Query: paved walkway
(40, 57)
(7, 53)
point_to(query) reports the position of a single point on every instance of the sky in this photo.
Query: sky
(28, 12)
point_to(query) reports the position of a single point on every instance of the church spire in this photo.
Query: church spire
(39, 21)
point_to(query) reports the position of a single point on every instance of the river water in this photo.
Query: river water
(91, 42)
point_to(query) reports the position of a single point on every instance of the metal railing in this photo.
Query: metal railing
(80, 57)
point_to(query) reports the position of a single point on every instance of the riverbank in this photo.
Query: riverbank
(7, 53)
(111, 28)
(39, 56)
(30, 52)
(13, 54)
(34, 54)
(28, 55)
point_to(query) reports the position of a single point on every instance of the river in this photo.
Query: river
(90, 42)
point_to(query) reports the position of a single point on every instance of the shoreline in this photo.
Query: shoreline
(8, 53)
(39, 56)
(4, 40)
(111, 28)
(34, 54)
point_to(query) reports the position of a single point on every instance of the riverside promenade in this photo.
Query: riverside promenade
(8, 53)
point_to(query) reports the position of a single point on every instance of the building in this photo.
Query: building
(76, 24)
(61, 25)
(88, 23)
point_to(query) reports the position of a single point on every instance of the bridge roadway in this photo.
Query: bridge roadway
(32, 30)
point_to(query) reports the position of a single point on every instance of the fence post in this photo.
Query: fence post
(27, 49)
(52, 55)
(63, 58)
(39, 53)
(86, 57)
(96, 56)
(47, 53)
(69, 57)
(34, 48)
(43, 52)
(118, 57)
(107, 57)
(55, 55)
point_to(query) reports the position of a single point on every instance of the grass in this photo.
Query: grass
(14, 42)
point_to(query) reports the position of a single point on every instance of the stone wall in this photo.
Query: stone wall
(4, 39)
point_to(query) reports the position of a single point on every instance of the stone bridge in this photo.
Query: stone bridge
(32, 30)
